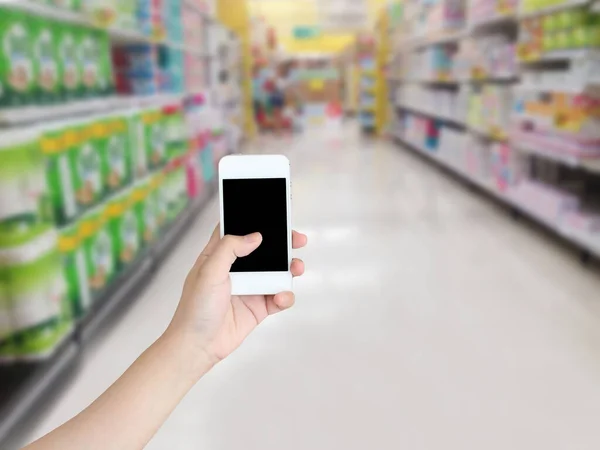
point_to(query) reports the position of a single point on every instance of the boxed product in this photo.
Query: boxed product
(115, 155)
(33, 284)
(70, 69)
(97, 241)
(46, 60)
(137, 143)
(95, 63)
(158, 200)
(175, 132)
(22, 178)
(59, 143)
(71, 249)
(145, 211)
(17, 75)
(124, 227)
(175, 192)
(154, 136)
(86, 163)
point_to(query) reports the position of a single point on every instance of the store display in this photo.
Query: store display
(525, 133)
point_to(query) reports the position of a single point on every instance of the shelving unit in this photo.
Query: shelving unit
(544, 143)
(207, 115)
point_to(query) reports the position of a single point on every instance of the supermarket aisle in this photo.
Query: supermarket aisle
(427, 320)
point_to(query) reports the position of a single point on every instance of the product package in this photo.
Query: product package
(94, 230)
(17, 77)
(33, 283)
(124, 228)
(23, 184)
(115, 154)
(60, 141)
(86, 163)
(145, 211)
(71, 249)
(154, 136)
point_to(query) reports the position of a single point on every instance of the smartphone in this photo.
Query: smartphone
(255, 196)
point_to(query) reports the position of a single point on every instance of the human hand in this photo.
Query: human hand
(209, 318)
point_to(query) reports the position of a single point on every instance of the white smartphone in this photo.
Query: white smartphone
(255, 196)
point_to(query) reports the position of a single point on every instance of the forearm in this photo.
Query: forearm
(129, 414)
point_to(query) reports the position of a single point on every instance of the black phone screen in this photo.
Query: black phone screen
(258, 205)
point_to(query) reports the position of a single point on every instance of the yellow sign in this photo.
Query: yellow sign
(317, 85)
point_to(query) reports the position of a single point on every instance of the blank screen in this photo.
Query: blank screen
(258, 205)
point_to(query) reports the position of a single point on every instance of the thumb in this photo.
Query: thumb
(230, 248)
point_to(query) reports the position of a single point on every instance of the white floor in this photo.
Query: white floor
(428, 319)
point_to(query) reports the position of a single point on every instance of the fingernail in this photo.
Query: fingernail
(254, 237)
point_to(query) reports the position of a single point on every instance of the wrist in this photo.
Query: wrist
(191, 358)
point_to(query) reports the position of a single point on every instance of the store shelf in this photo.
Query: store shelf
(492, 22)
(36, 113)
(591, 164)
(23, 386)
(439, 38)
(583, 242)
(564, 55)
(569, 4)
(432, 114)
(492, 134)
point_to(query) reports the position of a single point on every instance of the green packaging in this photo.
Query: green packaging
(176, 142)
(34, 286)
(17, 77)
(175, 193)
(145, 212)
(86, 163)
(22, 178)
(124, 229)
(115, 154)
(586, 37)
(71, 249)
(97, 242)
(69, 61)
(45, 60)
(59, 143)
(159, 200)
(92, 48)
(154, 137)
(137, 143)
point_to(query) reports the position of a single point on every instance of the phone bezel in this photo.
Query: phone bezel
(249, 167)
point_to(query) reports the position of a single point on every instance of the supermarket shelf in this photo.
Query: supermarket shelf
(23, 386)
(432, 114)
(117, 35)
(494, 134)
(570, 160)
(585, 243)
(129, 282)
(33, 114)
(568, 4)
(493, 22)
(444, 37)
(564, 55)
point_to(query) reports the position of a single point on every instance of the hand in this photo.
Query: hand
(208, 316)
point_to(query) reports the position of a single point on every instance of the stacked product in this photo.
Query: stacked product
(489, 56)
(481, 11)
(490, 109)
(448, 104)
(44, 62)
(559, 122)
(573, 28)
(35, 312)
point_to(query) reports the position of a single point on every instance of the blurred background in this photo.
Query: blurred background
(446, 168)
